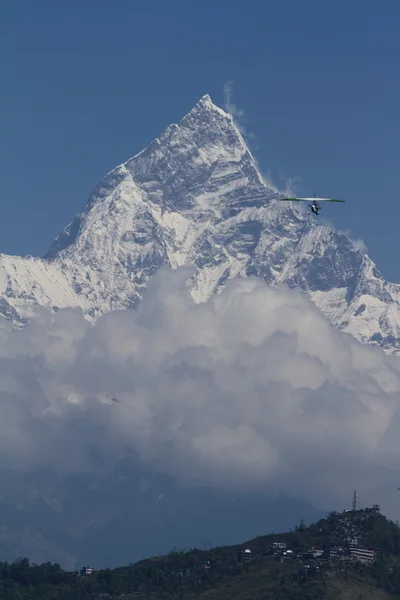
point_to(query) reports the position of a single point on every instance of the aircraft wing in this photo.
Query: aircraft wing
(311, 200)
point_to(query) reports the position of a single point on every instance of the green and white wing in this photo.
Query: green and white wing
(326, 199)
(294, 199)
(311, 200)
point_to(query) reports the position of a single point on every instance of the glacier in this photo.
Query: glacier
(195, 197)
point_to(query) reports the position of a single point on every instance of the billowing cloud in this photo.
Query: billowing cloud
(251, 389)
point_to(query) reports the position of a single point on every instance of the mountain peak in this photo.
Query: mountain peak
(194, 197)
(206, 111)
(178, 171)
(206, 99)
(205, 103)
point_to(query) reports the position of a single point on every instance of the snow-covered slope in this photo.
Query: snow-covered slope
(195, 197)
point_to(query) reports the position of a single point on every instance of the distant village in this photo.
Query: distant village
(346, 544)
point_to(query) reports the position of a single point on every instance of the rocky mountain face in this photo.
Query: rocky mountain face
(195, 197)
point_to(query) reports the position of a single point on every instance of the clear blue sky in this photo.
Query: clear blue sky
(85, 85)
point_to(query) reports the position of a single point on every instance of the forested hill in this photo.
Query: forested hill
(352, 555)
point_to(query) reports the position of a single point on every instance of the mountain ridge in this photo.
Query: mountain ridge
(195, 197)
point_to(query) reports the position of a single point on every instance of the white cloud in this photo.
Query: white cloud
(360, 245)
(237, 114)
(357, 242)
(253, 388)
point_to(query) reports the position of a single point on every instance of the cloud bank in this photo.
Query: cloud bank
(253, 389)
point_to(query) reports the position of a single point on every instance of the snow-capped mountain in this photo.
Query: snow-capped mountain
(195, 197)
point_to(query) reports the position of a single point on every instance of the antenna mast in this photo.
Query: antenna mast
(355, 501)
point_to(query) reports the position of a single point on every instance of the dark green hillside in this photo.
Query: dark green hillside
(351, 555)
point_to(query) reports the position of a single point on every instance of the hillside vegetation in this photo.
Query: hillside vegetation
(322, 561)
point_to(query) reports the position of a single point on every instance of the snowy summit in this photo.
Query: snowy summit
(194, 197)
